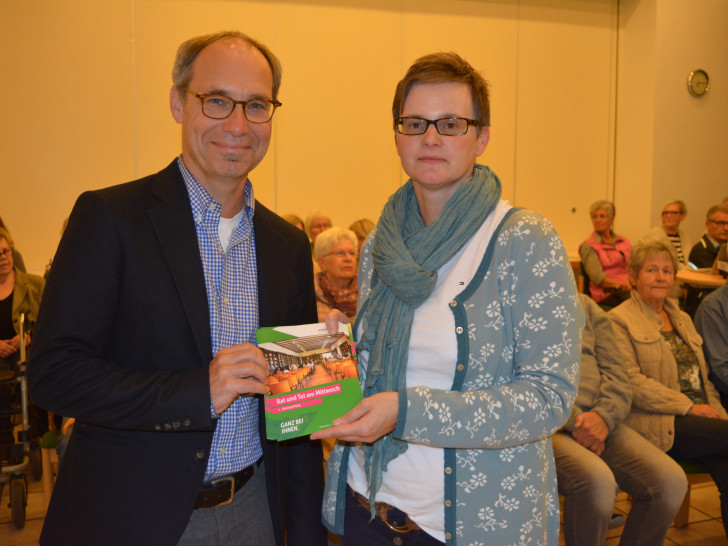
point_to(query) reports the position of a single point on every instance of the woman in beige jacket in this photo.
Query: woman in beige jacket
(674, 404)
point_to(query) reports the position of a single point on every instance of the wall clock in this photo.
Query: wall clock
(698, 83)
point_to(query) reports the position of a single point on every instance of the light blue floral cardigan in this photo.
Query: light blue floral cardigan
(518, 326)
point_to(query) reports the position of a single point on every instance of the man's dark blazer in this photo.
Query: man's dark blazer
(123, 344)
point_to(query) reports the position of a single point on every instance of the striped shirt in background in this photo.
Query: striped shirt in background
(677, 245)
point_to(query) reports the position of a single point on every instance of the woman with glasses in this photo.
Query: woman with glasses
(335, 251)
(672, 216)
(468, 342)
(17, 257)
(19, 293)
(669, 230)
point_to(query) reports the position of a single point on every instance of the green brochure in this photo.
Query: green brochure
(312, 376)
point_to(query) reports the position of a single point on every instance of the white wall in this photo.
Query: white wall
(670, 144)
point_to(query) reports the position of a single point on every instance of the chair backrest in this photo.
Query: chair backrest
(586, 289)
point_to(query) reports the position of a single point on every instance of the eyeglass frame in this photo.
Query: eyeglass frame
(721, 223)
(202, 96)
(428, 122)
(6, 252)
(671, 213)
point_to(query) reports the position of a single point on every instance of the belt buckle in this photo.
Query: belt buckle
(383, 512)
(232, 489)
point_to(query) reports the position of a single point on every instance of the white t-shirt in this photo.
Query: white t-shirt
(226, 227)
(414, 482)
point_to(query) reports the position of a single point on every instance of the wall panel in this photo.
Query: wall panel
(333, 142)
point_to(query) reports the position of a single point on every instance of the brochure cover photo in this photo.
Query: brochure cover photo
(312, 376)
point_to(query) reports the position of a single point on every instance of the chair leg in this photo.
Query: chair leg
(47, 469)
(681, 518)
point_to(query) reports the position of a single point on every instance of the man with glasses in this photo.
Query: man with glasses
(705, 251)
(146, 334)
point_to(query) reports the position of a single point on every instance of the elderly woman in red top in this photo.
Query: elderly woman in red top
(604, 256)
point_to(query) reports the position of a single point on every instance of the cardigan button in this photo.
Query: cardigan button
(448, 536)
(460, 367)
(453, 303)
(448, 470)
(459, 329)
(448, 503)
(200, 455)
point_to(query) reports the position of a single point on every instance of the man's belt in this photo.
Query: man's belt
(221, 491)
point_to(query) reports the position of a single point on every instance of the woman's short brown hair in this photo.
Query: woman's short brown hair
(445, 67)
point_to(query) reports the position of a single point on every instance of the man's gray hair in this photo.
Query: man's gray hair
(190, 49)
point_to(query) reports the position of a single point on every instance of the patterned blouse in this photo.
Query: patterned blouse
(688, 370)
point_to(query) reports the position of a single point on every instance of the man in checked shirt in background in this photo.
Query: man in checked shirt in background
(146, 329)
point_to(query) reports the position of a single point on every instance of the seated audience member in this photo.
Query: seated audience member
(294, 220)
(19, 293)
(705, 251)
(315, 223)
(711, 322)
(674, 404)
(361, 229)
(17, 257)
(595, 452)
(672, 215)
(335, 250)
(720, 265)
(604, 256)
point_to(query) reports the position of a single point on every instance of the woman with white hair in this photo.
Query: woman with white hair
(335, 251)
(315, 223)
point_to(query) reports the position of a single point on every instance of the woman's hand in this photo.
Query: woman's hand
(703, 410)
(333, 319)
(368, 421)
(625, 285)
(9, 346)
(613, 284)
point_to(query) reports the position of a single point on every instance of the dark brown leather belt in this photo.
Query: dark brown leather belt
(221, 491)
(382, 510)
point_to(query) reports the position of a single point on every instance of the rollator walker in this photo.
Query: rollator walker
(18, 457)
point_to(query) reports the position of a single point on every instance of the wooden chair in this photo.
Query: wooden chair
(49, 463)
(696, 474)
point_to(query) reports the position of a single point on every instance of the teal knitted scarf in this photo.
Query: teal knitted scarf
(407, 255)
